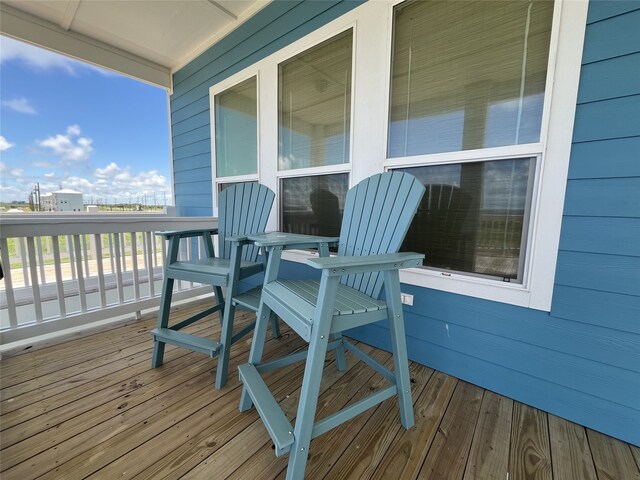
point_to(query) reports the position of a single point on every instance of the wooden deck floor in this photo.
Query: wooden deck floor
(93, 408)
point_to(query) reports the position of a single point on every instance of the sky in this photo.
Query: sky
(65, 123)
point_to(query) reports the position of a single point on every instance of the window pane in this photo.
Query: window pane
(472, 217)
(313, 205)
(224, 186)
(237, 130)
(467, 75)
(315, 106)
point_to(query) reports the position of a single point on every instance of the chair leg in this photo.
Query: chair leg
(163, 320)
(341, 361)
(399, 346)
(257, 347)
(220, 298)
(225, 340)
(307, 405)
(312, 377)
(275, 326)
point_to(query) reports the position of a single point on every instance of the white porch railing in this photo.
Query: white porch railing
(66, 270)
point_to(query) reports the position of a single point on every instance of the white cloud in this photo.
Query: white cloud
(68, 147)
(49, 175)
(108, 171)
(4, 144)
(21, 105)
(17, 172)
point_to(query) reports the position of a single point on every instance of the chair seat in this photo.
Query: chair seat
(208, 268)
(295, 302)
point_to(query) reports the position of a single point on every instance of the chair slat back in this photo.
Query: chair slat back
(243, 208)
(377, 214)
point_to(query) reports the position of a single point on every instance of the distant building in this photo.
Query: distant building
(65, 200)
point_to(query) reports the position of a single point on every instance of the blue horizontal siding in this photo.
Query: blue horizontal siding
(605, 273)
(605, 159)
(609, 235)
(191, 175)
(606, 309)
(613, 78)
(605, 197)
(613, 37)
(192, 136)
(607, 119)
(195, 162)
(603, 9)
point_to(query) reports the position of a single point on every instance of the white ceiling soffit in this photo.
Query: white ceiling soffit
(145, 39)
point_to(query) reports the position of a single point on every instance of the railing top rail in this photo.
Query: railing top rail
(79, 223)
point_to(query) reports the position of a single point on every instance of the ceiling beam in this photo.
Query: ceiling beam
(29, 28)
(69, 14)
(227, 12)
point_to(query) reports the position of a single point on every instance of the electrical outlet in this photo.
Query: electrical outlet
(407, 298)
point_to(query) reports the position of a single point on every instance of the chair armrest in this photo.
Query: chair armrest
(188, 233)
(242, 239)
(290, 240)
(366, 263)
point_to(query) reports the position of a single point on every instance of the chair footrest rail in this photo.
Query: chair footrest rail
(274, 419)
(185, 340)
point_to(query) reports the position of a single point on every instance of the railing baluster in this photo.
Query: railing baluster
(123, 247)
(43, 277)
(23, 257)
(72, 263)
(81, 287)
(134, 257)
(86, 255)
(35, 285)
(57, 264)
(116, 243)
(100, 267)
(113, 266)
(152, 287)
(8, 283)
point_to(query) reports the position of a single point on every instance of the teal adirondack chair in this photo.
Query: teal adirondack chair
(243, 209)
(377, 215)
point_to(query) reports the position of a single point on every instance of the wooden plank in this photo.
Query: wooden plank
(489, 459)
(222, 415)
(570, 452)
(447, 456)
(43, 387)
(409, 449)
(79, 455)
(530, 455)
(612, 458)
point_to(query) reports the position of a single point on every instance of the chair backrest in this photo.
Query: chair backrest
(243, 208)
(377, 215)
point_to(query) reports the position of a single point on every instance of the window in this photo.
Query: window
(314, 128)
(313, 205)
(473, 217)
(235, 133)
(470, 76)
(476, 99)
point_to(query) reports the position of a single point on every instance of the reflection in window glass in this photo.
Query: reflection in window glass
(313, 205)
(473, 217)
(467, 75)
(236, 127)
(315, 106)
(224, 186)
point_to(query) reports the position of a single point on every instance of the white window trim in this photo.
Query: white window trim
(372, 44)
(226, 84)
